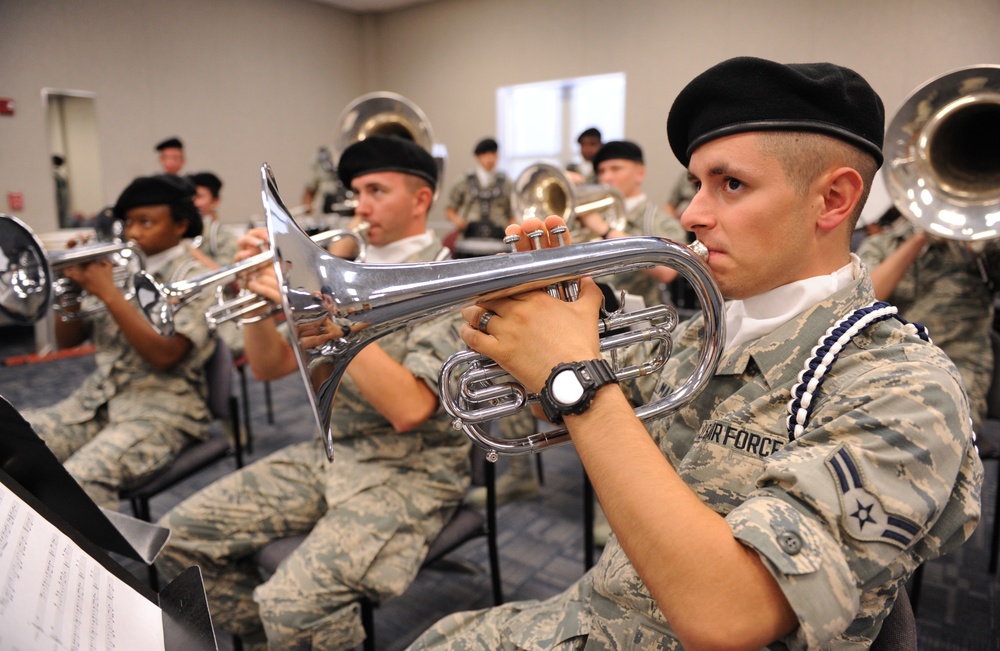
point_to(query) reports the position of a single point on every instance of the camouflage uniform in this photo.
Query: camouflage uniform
(467, 198)
(646, 218)
(218, 243)
(883, 478)
(681, 193)
(370, 514)
(129, 420)
(944, 289)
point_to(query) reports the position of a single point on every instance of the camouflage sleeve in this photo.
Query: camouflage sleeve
(883, 479)
(227, 245)
(874, 249)
(456, 198)
(189, 321)
(429, 344)
(667, 226)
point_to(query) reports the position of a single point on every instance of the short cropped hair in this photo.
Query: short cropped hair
(805, 155)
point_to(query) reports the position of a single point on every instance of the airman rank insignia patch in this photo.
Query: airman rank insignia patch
(863, 515)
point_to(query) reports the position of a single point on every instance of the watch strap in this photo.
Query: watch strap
(592, 374)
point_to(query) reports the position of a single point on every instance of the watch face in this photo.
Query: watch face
(566, 388)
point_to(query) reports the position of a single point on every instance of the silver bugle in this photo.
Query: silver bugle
(335, 308)
(160, 302)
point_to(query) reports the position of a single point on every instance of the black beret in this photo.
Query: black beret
(592, 132)
(750, 94)
(57, 160)
(162, 189)
(486, 145)
(617, 149)
(169, 143)
(207, 180)
(386, 154)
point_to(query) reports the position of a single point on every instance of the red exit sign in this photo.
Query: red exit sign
(6, 106)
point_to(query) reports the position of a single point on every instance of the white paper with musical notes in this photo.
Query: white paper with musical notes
(54, 596)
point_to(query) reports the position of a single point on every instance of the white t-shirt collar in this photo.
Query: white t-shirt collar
(159, 260)
(398, 251)
(761, 315)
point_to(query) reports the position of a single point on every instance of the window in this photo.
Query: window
(540, 122)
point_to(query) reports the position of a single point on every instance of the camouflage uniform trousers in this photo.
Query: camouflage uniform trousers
(364, 546)
(516, 626)
(106, 457)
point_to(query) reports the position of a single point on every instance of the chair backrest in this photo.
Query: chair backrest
(219, 376)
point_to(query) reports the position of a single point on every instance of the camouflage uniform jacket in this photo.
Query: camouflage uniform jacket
(467, 199)
(647, 218)
(944, 290)
(219, 243)
(883, 478)
(434, 447)
(131, 387)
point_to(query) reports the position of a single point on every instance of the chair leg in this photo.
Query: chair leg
(140, 508)
(269, 403)
(234, 415)
(491, 539)
(368, 623)
(246, 408)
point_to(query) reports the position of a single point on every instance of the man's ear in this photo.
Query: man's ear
(424, 196)
(842, 190)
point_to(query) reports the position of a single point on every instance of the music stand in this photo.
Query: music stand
(71, 539)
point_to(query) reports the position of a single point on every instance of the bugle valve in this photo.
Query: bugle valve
(160, 302)
(335, 308)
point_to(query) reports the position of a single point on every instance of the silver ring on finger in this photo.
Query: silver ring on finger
(484, 321)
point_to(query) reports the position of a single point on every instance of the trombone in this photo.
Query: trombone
(160, 302)
(33, 280)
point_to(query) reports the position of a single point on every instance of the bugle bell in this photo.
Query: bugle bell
(542, 190)
(387, 114)
(334, 307)
(942, 155)
(32, 278)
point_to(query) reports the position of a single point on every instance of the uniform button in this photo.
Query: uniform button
(790, 542)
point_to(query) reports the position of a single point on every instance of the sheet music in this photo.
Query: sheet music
(54, 596)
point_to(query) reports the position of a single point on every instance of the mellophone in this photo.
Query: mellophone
(33, 277)
(335, 308)
(159, 302)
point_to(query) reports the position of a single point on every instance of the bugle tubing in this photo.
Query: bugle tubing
(335, 308)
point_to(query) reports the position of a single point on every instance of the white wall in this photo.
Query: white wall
(247, 81)
(449, 56)
(240, 81)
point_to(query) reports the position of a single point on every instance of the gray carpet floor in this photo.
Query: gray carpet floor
(541, 539)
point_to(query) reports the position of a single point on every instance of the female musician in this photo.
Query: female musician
(144, 402)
